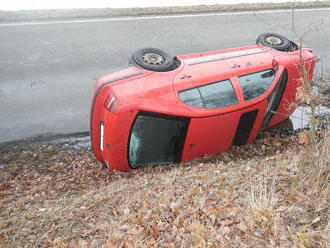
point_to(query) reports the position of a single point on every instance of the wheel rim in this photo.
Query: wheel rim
(273, 40)
(153, 58)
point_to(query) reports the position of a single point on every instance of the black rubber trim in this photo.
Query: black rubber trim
(278, 90)
(212, 60)
(96, 94)
(244, 128)
(271, 68)
(164, 116)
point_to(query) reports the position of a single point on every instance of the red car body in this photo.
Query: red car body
(135, 99)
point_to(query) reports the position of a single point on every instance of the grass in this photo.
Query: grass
(272, 193)
(60, 14)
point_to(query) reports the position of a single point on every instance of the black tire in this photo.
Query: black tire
(275, 41)
(154, 59)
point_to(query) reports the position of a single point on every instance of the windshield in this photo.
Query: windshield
(255, 84)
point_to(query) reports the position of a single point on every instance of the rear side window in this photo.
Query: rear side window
(191, 97)
(255, 84)
(215, 95)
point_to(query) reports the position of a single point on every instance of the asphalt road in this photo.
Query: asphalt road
(48, 70)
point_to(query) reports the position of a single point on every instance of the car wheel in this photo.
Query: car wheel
(154, 59)
(276, 41)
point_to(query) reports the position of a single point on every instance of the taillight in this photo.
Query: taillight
(101, 135)
(110, 103)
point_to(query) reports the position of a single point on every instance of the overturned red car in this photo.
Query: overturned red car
(165, 109)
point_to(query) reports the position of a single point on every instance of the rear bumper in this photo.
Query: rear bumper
(99, 114)
(110, 144)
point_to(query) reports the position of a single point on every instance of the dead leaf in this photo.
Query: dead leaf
(304, 138)
(316, 220)
(318, 99)
(227, 222)
(327, 142)
(133, 231)
(194, 191)
(212, 218)
(82, 243)
(242, 227)
(324, 81)
(124, 227)
(26, 231)
(140, 221)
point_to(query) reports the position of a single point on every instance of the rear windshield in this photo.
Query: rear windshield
(210, 96)
(157, 140)
(255, 84)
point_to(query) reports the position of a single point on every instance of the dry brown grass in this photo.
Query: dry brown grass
(272, 193)
(60, 14)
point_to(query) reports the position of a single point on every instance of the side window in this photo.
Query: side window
(218, 95)
(191, 97)
(255, 84)
(215, 95)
